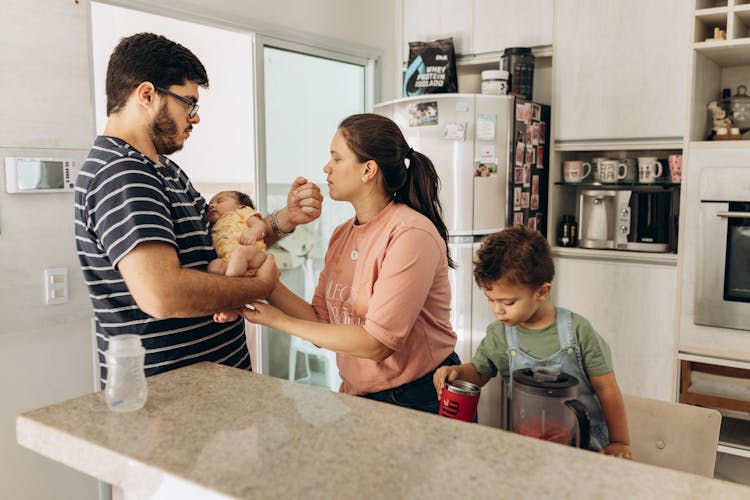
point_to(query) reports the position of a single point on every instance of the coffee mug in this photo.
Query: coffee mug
(612, 170)
(575, 170)
(649, 169)
(596, 174)
(675, 167)
(632, 169)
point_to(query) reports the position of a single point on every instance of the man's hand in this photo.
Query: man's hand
(303, 203)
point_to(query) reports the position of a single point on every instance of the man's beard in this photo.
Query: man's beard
(165, 134)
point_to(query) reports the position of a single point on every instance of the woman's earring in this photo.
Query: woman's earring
(364, 179)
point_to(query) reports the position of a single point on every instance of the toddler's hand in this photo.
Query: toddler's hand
(618, 450)
(442, 375)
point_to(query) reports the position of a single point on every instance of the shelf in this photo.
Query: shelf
(713, 15)
(616, 255)
(620, 186)
(726, 53)
(690, 353)
(493, 58)
(706, 4)
(623, 145)
(744, 144)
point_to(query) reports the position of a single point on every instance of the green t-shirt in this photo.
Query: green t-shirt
(492, 353)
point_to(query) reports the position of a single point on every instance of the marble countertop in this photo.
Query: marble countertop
(216, 432)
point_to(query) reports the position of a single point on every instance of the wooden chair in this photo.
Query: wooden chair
(673, 435)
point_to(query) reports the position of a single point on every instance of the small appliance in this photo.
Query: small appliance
(722, 274)
(544, 406)
(624, 219)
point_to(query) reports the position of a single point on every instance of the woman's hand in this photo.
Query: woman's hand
(264, 314)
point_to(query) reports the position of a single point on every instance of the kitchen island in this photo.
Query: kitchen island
(209, 431)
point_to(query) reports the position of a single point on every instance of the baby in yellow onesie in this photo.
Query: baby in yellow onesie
(237, 231)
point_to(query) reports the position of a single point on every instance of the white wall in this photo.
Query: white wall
(47, 110)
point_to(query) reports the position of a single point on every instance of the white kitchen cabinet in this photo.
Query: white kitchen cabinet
(479, 26)
(621, 70)
(56, 80)
(499, 24)
(632, 306)
(426, 20)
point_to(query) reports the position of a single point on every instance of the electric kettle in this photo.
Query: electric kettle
(544, 406)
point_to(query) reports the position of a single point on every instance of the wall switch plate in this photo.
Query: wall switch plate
(56, 285)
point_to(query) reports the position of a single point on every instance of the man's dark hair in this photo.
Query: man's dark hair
(146, 57)
(518, 254)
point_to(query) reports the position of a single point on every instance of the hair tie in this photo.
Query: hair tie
(407, 157)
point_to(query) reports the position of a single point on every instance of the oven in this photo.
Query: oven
(722, 284)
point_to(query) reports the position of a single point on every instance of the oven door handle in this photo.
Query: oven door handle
(734, 215)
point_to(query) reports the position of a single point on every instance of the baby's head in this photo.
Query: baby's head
(226, 201)
(515, 269)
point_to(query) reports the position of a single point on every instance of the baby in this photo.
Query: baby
(237, 231)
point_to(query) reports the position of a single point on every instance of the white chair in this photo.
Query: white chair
(673, 435)
(330, 370)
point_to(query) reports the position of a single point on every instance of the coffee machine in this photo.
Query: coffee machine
(642, 220)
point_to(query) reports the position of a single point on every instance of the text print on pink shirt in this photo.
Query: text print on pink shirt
(339, 303)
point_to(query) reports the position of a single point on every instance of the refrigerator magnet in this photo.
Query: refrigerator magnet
(454, 131)
(516, 198)
(520, 149)
(518, 218)
(540, 157)
(486, 127)
(536, 111)
(534, 202)
(525, 199)
(530, 155)
(487, 153)
(423, 114)
(485, 169)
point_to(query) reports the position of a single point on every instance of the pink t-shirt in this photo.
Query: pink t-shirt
(389, 275)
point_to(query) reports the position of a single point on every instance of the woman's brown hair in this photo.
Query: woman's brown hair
(409, 176)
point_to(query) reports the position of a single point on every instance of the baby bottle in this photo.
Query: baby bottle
(126, 388)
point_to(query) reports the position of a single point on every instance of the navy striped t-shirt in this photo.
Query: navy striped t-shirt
(123, 199)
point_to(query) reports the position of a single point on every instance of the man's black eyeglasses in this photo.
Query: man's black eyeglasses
(193, 105)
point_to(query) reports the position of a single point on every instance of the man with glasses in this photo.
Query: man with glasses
(141, 228)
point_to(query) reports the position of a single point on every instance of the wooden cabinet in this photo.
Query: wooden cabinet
(499, 24)
(621, 70)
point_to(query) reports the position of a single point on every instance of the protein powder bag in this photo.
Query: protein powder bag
(432, 68)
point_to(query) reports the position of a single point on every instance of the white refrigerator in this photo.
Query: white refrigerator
(469, 139)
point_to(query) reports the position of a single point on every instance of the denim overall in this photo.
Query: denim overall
(569, 360)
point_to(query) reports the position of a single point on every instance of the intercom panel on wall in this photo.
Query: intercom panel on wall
(39, 175)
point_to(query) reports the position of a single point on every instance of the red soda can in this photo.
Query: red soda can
(459, 400)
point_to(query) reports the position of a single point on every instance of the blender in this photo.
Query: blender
(544, 406)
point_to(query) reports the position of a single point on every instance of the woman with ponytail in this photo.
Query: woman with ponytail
(383, 298)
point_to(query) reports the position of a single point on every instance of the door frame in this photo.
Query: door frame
(369, 59)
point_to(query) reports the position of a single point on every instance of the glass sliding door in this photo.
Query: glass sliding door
(303, 94)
